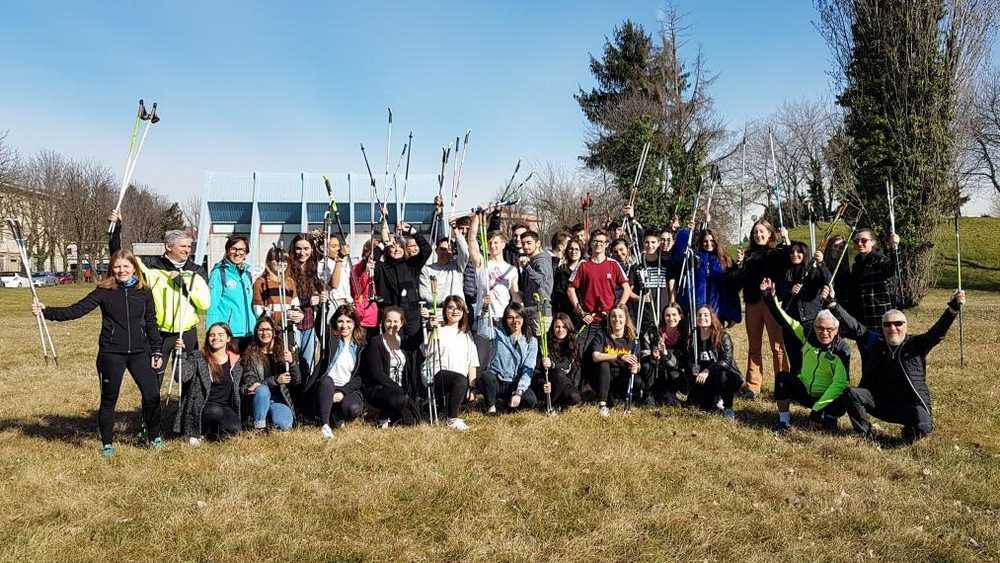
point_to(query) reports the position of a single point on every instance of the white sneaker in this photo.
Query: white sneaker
(458, 424)
(383, 423)
(194, 442)
(326, 431)
(604, 411)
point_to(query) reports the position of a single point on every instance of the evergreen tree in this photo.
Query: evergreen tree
(172, 218)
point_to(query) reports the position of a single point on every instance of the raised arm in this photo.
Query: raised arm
(928, 340)
(790, 327)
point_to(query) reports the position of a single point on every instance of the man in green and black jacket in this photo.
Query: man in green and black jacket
(820, 362)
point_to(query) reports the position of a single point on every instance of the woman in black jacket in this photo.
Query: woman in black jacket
(668, 361)
(397, 277)
(129, 340)
(804, 278)
(765, 258)
(269, 369)
(335, 381)
(563, 364)
(212, 379)
(714, 375)
(389, 370)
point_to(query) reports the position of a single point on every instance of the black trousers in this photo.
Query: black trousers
(219, 421)
(493, 388)
(111, 369)
(450, 388)
(663, 383)
(393, 403)
(564, 390)
(609, 379)
(721, 383)
(861, 403)
(169, 341)
(351, 407)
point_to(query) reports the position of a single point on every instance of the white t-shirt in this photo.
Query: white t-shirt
(397, 363)
(341, 370)
(342, 293)
(458, 351)
(499, 279)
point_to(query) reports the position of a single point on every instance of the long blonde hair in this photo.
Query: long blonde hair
(109, 281)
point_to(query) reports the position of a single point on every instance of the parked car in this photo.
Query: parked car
(14, 280)
(45, 279)
(65, 278)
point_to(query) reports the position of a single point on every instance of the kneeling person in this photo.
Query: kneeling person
(820, 361)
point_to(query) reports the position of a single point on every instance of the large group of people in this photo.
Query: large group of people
(487, 318)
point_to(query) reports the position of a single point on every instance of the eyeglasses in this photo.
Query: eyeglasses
(826, 329)
(236, 250)
(453, 308)
(599, 241)
(897, 324)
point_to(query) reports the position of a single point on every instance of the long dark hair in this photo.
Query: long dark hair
(720, 248)
(255, 351)
(565, 348)
(517, 309)
(358, 334)
(715, 331)
(304, 273)
(213, 366)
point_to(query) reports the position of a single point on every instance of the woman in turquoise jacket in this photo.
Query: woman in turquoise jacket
(232, 292)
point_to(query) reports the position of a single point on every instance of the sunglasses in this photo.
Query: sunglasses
(862, 241)
(896, 324)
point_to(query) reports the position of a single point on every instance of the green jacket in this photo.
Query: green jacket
(824, 370)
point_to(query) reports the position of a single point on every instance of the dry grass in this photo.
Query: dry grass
(657, 485)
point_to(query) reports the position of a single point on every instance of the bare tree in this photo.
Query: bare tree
(44, 177)
(88, 196)
(191, 208)
(556, 193)
(143, 209)
(981, 146)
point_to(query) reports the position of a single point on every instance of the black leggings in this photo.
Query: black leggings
(663, 382)
(493, 388)
(606, 376)
(564, 391)
(219, 421)
(351, 407)
(393, 403)
(451, 387)
(721, 383)
(111, 369)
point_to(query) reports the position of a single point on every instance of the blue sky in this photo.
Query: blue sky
(274, 87)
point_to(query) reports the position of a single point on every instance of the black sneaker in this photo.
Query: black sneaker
(782, 427)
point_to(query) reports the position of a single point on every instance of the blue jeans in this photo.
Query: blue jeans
(307, 346)
(281, 415)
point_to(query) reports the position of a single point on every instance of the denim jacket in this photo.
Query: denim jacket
(508, 363)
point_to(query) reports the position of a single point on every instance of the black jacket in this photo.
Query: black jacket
(197, 383)
(758, 263)
(374, 363)
(709, 356)
(870, 287)
(895, 374)
(330, 349)
(804, 306)
(128, 323)
(397, 282)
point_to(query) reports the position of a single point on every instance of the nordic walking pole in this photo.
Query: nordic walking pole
(840, 260)
(406, 178)
(958, 262)
(177, 369)
(44, 337)
(439, 211)
(890, 192)
(543, 329)
(743, 181)
(437, 344)
(460, 164)
(777, 182)
(388, 144)
(133, 157)
(395, 186)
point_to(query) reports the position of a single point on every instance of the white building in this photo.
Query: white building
(274, 207)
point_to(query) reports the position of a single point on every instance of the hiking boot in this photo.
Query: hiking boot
(830, 424)
(326, 432)
(458, 424)
(782, 428)
(492, 411)
(107, 451)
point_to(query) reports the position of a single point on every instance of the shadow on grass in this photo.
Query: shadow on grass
(75, 429)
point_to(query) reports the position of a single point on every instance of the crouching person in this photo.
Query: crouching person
(211, 381)
(389, 371)
(820, 361)
(562, 366)
(512, 364)
(268, 371)
(714, 375)
(335, 380)
(893, 383)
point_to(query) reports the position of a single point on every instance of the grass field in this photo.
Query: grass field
(661, 484)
